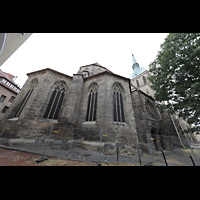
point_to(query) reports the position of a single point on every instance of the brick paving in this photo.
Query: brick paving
(10, 157)
(15, 158)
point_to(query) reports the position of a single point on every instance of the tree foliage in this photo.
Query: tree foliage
(175, 76)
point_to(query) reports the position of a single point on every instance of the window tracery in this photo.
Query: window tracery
(138, 85)
(118, 111)
(26, 98)
(144, 80)
(150, 110)
(92, 103)
(55, 102)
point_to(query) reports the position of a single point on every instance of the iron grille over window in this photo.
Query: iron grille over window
(118, 104)
(55, 102)
(92, 103)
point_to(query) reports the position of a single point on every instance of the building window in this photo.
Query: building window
(138, 85)
(4, 81)
(8, 84)
(118, 111)
(33, 84)
(55, 102)
(11, 99)
(92, 103)
(2, 98)
(5, 109)
(150, 109)
(144, 80)
(24, 102)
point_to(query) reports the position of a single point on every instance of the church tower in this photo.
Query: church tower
(136, 68)
(139, 78)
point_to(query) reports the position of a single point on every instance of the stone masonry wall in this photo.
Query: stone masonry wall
(161, 125)
(73, 110)
(104, 119)
(144, 87)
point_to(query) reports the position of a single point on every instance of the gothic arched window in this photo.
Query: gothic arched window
(150, 110)
(32, 86)
(92, 103)
(138, 85)
(144, 80)
(55, 102)
(118, 110)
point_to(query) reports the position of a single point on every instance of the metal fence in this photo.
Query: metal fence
(100, 146)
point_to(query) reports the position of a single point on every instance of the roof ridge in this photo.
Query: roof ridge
(5, 75)
(97, 64)
(50, 70)
(106, 72)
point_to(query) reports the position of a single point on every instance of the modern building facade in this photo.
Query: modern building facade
(9, 43)
(8, 92)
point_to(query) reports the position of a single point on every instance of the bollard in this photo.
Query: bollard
(98, 163)
(192, 151)
(117, 153)
(192, 160)
(139, 156)
(164, 158)
(3, 129)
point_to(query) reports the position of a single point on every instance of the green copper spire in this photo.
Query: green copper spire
(135, 64)
(134, 61)
(136, 68)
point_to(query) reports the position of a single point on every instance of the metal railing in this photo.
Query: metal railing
(100, 146)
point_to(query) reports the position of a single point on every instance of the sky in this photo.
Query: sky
(66, 52)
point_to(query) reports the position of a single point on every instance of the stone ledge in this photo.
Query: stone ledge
(90, 122)
(13, 119)
(21, 140)
(120, 123)
(48, 120)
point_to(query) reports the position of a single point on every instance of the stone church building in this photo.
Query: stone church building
(82, 106)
